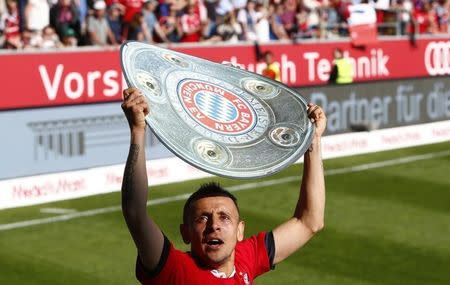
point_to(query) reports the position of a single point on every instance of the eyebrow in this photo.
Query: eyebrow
(221, 212)
(224, 213)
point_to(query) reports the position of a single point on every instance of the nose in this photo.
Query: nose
(214, 223)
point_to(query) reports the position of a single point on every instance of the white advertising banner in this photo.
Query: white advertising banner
(74, 184)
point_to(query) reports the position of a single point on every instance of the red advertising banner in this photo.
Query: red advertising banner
(362, 35)
(57, 78)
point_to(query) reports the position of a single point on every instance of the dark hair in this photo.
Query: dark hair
(211, 189)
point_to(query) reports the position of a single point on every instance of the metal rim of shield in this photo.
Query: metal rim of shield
(221, 119)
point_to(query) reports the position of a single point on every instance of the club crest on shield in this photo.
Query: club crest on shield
(216, 108)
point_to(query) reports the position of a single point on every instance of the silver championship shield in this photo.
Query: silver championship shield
(218, 118)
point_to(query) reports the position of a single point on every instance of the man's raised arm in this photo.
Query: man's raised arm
(309, 213)
(146, 234)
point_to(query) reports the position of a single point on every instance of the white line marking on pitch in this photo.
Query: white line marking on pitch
(241, 187)
(58, 211)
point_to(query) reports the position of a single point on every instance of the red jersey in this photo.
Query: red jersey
(422, 21)
(188, 23)
(252, 258)
(131, 7)
(10, 23)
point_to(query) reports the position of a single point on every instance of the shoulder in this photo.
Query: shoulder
(255, 254)
(174, 265)
(252, 243)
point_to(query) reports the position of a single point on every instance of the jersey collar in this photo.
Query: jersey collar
(220, 274)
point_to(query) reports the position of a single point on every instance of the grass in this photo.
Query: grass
(388, 225)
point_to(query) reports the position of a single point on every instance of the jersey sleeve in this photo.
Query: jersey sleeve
(256, 253)
(166, 265)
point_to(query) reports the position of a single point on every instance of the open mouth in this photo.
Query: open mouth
(214, 242)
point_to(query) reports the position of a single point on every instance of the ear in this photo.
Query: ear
(240, 231)
(185, 233)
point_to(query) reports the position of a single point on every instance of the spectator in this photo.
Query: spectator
(115, 21)
(273, 20)
(202, 12)
(31, 39)
(432, 18)
(223, 7)
(97, 26)
(262, 26)
(248, 19)
(69, 39)
(10, 25)
(343, 15)
(136, 29)
(63, 16)
(313, 22)
(272, 69)
(332, 18)
(229, 30)
(210, 6)
(191, 25)
(50, 38)
(131, 7)
(200, 9)
(37, 15)
(288, 17)
(302, 28)
(151, 20)
(277, 31)
(442, 10)
(421, 18)
(404, 8)
(342, 71)
(170, 25)
(83, 9)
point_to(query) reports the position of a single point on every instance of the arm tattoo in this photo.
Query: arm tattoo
(130, 167)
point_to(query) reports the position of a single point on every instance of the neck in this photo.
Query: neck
(226, 266)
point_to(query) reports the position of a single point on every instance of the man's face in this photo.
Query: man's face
(213, 230)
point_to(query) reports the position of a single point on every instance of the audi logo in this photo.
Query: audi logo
(437, 58)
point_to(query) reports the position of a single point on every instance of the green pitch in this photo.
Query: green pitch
(387, 225)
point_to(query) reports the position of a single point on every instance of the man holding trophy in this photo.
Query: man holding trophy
(211, 221)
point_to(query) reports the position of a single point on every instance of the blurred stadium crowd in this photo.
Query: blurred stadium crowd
(68, 23)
